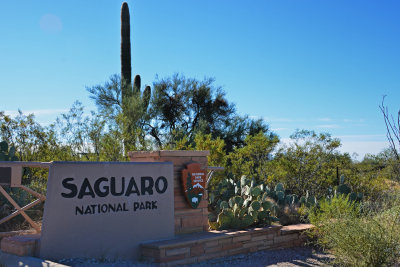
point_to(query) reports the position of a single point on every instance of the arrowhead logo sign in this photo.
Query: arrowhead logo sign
(194, 183)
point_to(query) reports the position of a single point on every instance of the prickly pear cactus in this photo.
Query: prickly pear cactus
(224, 205)
(344, 189)
(255, 206)
(281, 196)
(279, 187)
(224, 220)
(241, 204)
(255, 191)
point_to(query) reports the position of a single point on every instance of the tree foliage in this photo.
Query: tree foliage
(174, 114)
(127, 116)
(309, 163)
(184, 107)
(185, 113)
(29, 138)
(253, 158)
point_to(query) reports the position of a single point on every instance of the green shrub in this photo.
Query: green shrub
(357, 238)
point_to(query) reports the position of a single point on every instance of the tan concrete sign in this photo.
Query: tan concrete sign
(105, 210)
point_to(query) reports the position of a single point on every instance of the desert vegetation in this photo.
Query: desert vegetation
(353, 204)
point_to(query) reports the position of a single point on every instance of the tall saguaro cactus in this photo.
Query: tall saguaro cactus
(134, 103)
(126, 69)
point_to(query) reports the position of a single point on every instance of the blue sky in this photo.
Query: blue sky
(317, 65)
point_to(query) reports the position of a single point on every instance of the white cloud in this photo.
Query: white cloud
(353, 120)
(274, 119)
(329, 126)
(363, 137)
(360, 144)
(363, 147)
(43, 116)
(325, 119)
(279, 129)
(36, 112)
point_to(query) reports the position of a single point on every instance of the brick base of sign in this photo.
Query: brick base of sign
(195, 248)
(22, 245)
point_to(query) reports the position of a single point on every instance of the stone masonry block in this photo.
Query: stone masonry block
(225, 241)
(196, 250)
(232, 246)
(203, 203)
(188, 230)
(177, 251)
(205, 211)
(20, 245)
(241, 238)
(184, 153)
(208, 250)
(258, 238)
(297, 228)
(185, 212)
(251, 244)
(193, 221)
(286, 238)
(212, 243)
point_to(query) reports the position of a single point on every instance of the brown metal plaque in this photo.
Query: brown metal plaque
(194, 183)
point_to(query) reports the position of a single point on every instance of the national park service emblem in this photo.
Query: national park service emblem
(194, 183)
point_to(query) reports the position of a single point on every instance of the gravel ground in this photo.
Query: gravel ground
(302, 256)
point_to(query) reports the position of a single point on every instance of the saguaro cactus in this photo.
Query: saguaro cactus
(126, 69)
(129, 89)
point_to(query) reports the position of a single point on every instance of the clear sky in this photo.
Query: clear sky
(316, 65)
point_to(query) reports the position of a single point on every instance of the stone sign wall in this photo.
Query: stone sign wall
(104, 210)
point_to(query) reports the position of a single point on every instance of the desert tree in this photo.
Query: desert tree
(393, 135)
(392, 128)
